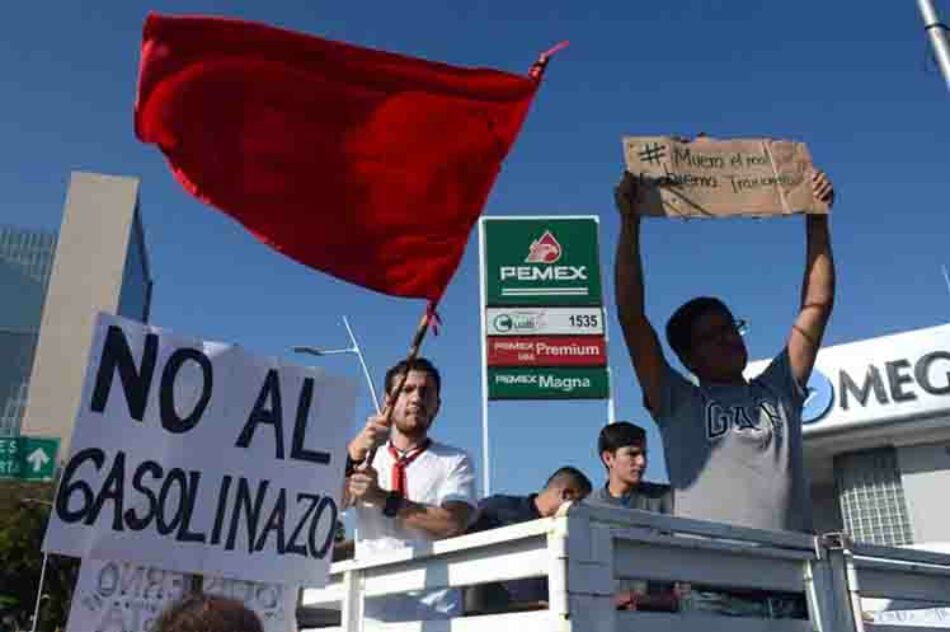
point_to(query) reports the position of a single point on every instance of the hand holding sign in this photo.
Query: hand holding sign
(716, 178)
(822, 189)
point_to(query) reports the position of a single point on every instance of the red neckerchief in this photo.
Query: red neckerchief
(401, 462)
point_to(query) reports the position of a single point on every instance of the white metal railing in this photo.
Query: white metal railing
(587, 552)
(905, 575)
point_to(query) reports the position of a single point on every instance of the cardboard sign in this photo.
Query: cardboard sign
(715, 178)
(124, 597)
(199, 457)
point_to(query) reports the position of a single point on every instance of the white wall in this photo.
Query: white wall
(925, 476)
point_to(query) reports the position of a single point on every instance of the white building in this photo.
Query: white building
(877, 438)
(101, 264)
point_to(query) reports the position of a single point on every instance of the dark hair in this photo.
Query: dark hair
(417, 364)
(679, 328)
(572, 474)
(619, 434)
(208, 613)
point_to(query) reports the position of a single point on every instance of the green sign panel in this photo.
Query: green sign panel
(541, 261)
(28, 458)
(547, 383)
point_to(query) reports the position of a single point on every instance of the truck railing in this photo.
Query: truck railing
(588, 553)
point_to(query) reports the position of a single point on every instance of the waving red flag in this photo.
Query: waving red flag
(364, 164)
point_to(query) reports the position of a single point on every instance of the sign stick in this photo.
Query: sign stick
(39, 594)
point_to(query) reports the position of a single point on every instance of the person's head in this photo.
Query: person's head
(705, 336)
(416, 406)
(566, 484)
(207, 613)
(622, 447)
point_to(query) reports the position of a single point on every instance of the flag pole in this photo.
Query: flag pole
(417, 338)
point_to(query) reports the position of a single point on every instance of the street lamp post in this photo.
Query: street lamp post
(355, 350)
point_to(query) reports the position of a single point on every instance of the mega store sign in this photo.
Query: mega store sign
(878, 380)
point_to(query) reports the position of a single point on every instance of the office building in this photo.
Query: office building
(100, 264)
(26, 258)
(877, 438)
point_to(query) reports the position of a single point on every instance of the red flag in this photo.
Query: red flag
(364, 164)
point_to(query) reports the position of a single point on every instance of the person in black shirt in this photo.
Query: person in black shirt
(566, 484)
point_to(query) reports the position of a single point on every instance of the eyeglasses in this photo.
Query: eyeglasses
(739, 327)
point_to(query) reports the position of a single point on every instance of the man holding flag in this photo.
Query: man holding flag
(402, 155)
(416, 490)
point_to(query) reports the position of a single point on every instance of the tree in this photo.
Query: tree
(24, 512)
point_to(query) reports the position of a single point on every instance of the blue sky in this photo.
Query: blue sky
(858, 86)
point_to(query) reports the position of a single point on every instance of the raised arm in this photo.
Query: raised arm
(641, 339)
(818, 288)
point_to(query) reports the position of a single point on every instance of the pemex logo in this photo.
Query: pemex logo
(545, 249)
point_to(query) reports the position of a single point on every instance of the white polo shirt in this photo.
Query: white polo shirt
(440, 474)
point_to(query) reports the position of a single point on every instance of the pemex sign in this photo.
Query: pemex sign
(542, 306)
(541, 261)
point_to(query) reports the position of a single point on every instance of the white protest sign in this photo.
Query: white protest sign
(199, 457)
(706, 177)
(124, 597)
(921, 618)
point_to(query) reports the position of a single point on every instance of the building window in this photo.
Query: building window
(871, 497)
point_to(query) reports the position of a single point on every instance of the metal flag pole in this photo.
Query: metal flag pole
(937, 32)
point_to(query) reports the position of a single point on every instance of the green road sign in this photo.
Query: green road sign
(548, 383)
(28, 458)
(541, 261)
